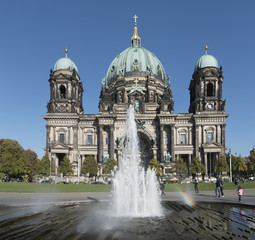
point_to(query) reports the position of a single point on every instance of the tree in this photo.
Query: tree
(13, 162)
(251, 163)
(238, 165)
(65, 167)
(221, 165)
(43, 167)
(90, 166)
(180, 167)
(154, 164)
(197, 167)
(33, 161)
(109, 165)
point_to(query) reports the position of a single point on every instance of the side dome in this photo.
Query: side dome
(65, 63)
(135, 61)
(206, 61)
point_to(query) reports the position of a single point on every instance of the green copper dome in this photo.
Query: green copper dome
(65, 63)
(135, 61)
(206, 61)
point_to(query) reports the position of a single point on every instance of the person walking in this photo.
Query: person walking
(196, 186)
(240, 193)
(162, 187)
(221, 187)
(217, 190)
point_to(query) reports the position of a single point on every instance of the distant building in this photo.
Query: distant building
(136, 76)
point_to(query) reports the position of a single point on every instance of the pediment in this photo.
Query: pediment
(136, 92)
(61, 75)
(61, 146)
(210, 147)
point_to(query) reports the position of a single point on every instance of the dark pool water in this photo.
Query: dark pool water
(94, 221)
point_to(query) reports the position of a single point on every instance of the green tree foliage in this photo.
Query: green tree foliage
(43, 167)
(154, 164)
(239, 167)
(13, 162)
(221, 165)
(197, 167)
(65, 167)
(180, 167)
(90, 166)
(109, 165)
(33, 161)
(251, 163)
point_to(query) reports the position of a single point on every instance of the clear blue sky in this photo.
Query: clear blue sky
(34, 35)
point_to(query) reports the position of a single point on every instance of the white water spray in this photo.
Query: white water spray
(135, 192)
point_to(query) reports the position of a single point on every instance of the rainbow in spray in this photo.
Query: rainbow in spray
(187, 198)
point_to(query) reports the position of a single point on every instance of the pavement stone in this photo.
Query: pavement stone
(15, 199)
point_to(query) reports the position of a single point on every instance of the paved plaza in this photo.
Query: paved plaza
(230, 196)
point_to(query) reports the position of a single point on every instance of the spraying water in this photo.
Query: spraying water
(135, 192)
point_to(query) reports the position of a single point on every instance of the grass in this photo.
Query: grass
(72, 188)
(52, 188)
(206, 186)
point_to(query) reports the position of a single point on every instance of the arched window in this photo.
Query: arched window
(62, 90)
(210, 90)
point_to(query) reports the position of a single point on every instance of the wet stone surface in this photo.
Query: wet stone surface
(93, 221)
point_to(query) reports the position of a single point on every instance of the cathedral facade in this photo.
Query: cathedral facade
(136, 76)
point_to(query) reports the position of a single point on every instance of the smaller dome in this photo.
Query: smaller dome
(206, 61)
(65, 63)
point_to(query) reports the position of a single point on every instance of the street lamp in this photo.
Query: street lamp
(230, 166)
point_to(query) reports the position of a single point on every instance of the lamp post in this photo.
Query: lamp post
(230, 166)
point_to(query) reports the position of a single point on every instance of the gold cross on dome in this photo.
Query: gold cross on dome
(136, 81)
(135, 17)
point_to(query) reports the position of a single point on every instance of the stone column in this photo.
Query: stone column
(202, 135)
(196, 141)
(223, 136)
(47, 138)
(172, 143)
(111, 141)
(69, 139)
(189, 163)
(75, 143)
(100, 144)
(189, 136)
(218, 134)
(54, 134)
(55, 163)
(161, 143)
(206, 164)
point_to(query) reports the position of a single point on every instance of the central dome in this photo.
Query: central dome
(135, 61)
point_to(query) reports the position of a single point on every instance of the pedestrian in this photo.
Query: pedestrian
(162, 187)
(221, 187)
(240, 193)
(196, 186)
(217, 190)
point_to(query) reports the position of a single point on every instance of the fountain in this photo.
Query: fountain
(135, 191)
(135, 212)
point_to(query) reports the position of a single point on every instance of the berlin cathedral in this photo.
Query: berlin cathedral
(136, 76)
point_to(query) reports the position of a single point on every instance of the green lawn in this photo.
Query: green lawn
(64, 188)
(206, 186)
(52, 188)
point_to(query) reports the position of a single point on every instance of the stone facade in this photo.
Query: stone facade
(163, 134)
